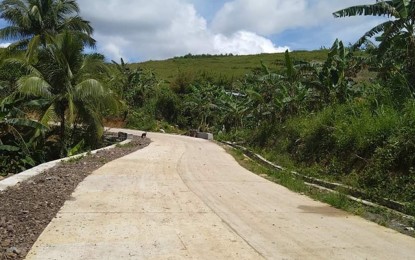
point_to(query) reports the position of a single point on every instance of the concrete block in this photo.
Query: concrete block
(203, 135)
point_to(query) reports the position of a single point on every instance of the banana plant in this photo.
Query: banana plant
(18, 137)
(201, 104)
(337, 72)
(396, 35)
(234, 108)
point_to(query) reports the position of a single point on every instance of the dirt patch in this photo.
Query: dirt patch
(27, 208)
(114, 122)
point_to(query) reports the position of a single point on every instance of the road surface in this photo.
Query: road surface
(186, 198)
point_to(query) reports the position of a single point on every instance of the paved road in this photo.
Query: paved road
(187, 198)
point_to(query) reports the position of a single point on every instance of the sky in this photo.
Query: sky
(141, 30)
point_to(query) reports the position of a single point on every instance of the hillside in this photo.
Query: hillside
(223, 67)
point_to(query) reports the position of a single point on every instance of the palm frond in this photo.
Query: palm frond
(34, 86)
(11, 33)
(89, 89)
(19, 45)
(33, 49)
(48, 115)
(92, 65)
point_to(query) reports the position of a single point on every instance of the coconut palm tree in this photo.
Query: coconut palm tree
(62, 82)
(35, 22)
(395, 35)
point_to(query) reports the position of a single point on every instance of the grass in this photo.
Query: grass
(126, 145)
(77, 157)
(227, 68)
(338, 200)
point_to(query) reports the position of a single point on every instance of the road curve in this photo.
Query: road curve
(186, 198)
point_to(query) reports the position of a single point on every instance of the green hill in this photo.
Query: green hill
(225, 67)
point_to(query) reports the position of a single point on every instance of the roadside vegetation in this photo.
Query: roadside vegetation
(53, 97)
(343, 113)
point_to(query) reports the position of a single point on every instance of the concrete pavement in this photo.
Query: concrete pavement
(186, 198)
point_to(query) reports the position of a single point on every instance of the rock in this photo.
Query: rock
(10, 228)
(10, 255)
(3, 222)
(410, 229)
(13, 250)
(5, 243)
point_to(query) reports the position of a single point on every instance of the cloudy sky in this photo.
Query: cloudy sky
(139, 30)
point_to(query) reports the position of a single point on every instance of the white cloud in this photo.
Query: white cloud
(269, 17)
(263, 16)
(243, 42)
(146, 29)
(113, 47)
(158, 29)
(4, 44)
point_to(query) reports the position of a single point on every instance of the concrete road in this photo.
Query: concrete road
(186, 198)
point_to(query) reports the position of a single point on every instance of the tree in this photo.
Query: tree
(337, 72)
(62, 81)
(133, 85)
(35, 22)
(395, 35)
(276, 96)
(200, 105)
(234, 107)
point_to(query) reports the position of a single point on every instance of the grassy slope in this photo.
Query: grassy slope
(227, 67)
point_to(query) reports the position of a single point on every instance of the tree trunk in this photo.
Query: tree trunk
(62, 133)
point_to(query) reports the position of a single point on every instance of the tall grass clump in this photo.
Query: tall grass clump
(391, 170)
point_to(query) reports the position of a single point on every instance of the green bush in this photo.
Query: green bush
(391, 172)
(310, 137)
(360, 129)
(168, 105)
(142, 119)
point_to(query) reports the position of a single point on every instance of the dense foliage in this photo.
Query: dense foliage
(52, 95)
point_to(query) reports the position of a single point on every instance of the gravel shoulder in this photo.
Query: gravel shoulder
(27, 208)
